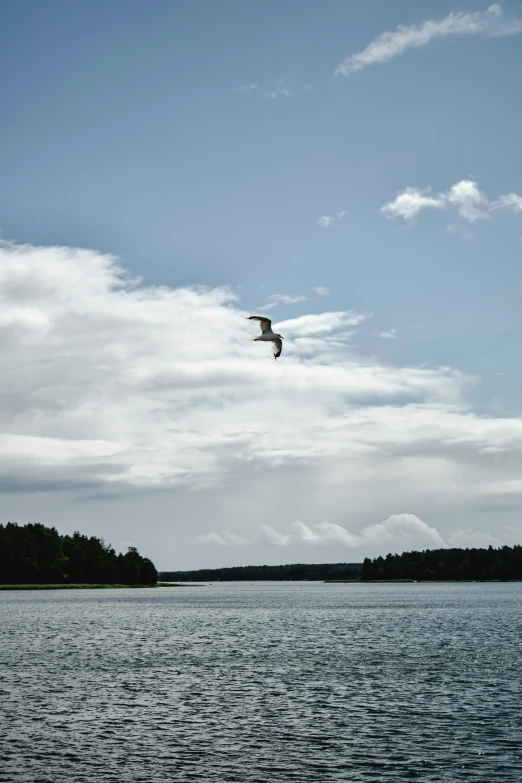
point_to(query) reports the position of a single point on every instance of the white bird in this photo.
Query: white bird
(267, 335)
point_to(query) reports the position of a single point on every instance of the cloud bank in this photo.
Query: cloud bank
(397, 533)
(111, 385)
(401, 531)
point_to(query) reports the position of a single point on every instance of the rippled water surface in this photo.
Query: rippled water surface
(262, 682)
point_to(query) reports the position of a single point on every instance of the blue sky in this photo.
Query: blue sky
(202, 142)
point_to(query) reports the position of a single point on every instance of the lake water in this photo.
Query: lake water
(265, 682)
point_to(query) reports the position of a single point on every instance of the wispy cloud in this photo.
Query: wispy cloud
(391, 334)
(492, 23)
(457, 229)
(284, 299)
(211, 538)
(324, 323)
(224, 538)
(280, 91)
(470, 202)
(325, 221)
(321, 291)
(94, 397)
(510, 201)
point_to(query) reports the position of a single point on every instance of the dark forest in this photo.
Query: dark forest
(35, 554)
(294, 572)
(501, 564)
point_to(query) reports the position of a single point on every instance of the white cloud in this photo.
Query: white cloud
(325, 221)
(324, 323)
(410, 202)
(224, 538)
(471, 203)
(402, 531)
(321, 291)
(490, 23)
(280, 91)
(469, 200)
(399, 532)
(304, 533)
(341, 216)
(336, 534)
(391, 334)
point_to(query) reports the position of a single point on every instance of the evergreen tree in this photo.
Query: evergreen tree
(35, 554)
(504, 563)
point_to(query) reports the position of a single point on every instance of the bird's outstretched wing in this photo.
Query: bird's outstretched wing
(264, 323)
(277, 347)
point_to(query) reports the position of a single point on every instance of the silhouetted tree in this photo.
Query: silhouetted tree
(504, 563)
(35, 554)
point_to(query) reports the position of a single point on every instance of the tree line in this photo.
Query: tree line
(36, 554)
(293, 572)
(504, 563)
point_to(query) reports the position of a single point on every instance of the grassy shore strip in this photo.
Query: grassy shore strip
(94, 587)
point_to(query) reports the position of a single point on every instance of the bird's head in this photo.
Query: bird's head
(280, 336)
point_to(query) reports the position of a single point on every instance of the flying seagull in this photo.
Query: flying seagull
(267, 335)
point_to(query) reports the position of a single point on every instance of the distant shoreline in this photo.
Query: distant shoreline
(416, 581)
(95, 586)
